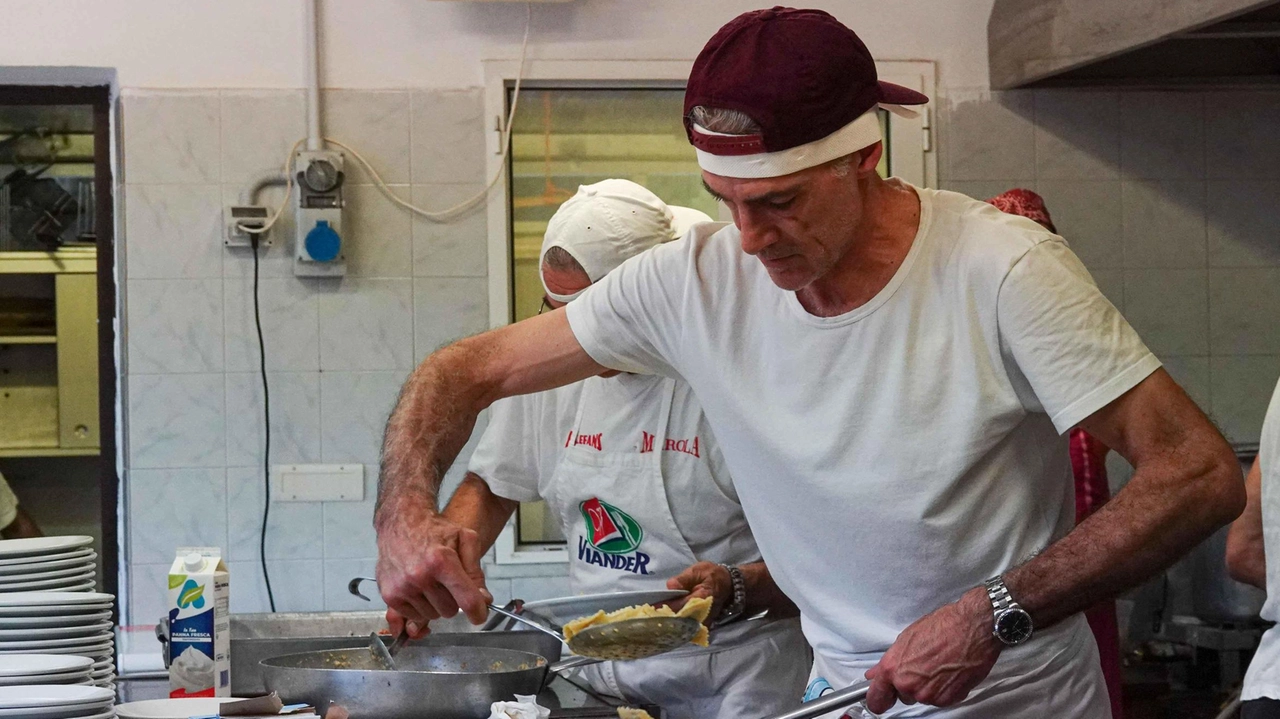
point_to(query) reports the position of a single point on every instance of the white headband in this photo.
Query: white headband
(862, 132)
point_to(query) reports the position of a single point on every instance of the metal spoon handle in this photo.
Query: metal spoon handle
(526, 621)
(831, 702)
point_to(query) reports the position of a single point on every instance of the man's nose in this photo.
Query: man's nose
(756, 235)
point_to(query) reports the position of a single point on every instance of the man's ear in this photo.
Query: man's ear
(869, 159)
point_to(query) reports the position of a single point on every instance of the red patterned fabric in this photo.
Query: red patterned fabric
(1024, 203)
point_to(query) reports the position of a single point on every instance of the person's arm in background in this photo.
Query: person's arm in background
(708, 579)
(428, 566)
(1246, 555)
(22, 527)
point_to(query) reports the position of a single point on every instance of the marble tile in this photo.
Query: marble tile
(1164, 224)
(447, 309)
(1162, 135)
(148, 593)
(1244, 306)
(295, 584)
(348, 526)
(448, 136)
(295, 418)
(376, 124)
(258, 129)
(176, 420)
(274, 260)
(1077, 135)
(1243, 223)
(1192, 373)
(367, 324)
(337, 574)
(983, 189)
(459, 248)
(1089, 215)
(173, 231)
(1169, 309)
(295, 530)
(1242, 388)
(171, 508)
(175, 326)
(354, 407)
(1240, 138)
(290, 311)
(988, 135)
(532, 589)
(377, 233)
(171, 136)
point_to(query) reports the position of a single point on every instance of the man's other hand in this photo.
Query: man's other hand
(704, 579)
(429, 567)
(939, 659)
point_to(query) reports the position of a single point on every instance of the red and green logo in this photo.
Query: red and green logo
(610, 529)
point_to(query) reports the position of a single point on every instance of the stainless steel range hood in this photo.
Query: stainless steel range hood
(1139, 43)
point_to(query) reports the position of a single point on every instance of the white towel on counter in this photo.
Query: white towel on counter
(524, 707)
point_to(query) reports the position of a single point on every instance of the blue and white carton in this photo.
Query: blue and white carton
(199, 624)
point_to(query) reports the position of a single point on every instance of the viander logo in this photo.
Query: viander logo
(612, 539)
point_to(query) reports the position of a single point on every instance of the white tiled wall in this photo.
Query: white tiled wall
(337, 350)
(1170, 199)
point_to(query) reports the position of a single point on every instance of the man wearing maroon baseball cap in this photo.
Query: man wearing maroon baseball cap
(891, 371)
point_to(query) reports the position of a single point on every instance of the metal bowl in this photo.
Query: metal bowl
(430, 682)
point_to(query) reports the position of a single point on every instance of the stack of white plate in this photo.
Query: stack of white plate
(29, 669)
(57, 701)
(47, 564)
(61, 623)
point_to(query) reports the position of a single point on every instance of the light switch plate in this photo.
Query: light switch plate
(317, 482)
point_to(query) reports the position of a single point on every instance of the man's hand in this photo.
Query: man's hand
(939, 659)
(429, 567)
(704, 579)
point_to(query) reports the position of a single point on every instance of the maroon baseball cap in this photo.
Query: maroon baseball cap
(801, 75)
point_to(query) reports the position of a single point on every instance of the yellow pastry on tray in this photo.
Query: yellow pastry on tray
(697, 608)
(629, 713)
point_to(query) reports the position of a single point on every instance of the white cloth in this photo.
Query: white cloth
(634, 453)
(893, 457)
(524, 707)
(1262, 680)
(8, 504)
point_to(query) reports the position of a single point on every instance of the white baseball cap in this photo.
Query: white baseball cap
(609, 222)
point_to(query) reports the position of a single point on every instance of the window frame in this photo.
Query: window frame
(912, 158)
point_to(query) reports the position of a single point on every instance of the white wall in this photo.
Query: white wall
(420, 43)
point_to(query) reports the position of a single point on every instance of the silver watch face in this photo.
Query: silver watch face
(1013, 626)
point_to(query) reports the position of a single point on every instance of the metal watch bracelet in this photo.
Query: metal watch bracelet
(738, 603)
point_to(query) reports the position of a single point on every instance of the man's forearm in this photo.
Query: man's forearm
(1167, 508)
(432, 420)
(477, 508)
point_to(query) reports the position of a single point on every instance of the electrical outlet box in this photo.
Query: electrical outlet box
(238, 219)
(319, 251)
(317, 482)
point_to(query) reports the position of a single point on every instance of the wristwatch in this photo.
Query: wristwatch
(738, 603)
(1012, 623)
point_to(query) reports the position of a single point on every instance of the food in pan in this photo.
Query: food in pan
(629, 713)
(697, 608)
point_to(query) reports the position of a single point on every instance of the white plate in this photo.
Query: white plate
(563, 610)
(34, 664)
(85, 711)
(76, 612)
(96, 651)
(40, 574)
(39, 696)
(171, 708)
(62, 559)
(72, 620)
(48, 585)
(41, 546)
(58, 599)
(41, 633)
(37, 644)
(80, 678)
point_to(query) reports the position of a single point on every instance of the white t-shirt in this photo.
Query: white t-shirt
(519, 451)
(891, 458)
(1263, 677)
(8, 504)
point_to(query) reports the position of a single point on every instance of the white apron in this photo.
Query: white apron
(622, 536)
(1055, 675)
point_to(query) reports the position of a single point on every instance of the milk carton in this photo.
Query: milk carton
(199, 624)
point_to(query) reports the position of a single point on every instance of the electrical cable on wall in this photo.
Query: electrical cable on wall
(266, 422)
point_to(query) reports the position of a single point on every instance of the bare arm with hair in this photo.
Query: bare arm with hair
(429, 566)
(1186, 484)
(1246, 551)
